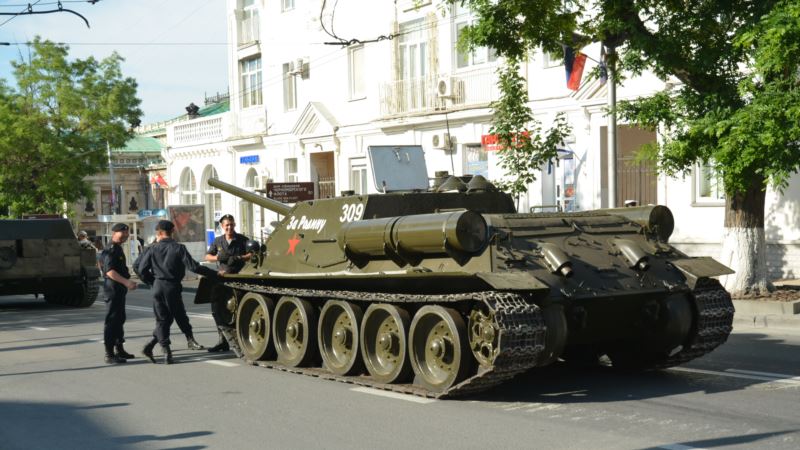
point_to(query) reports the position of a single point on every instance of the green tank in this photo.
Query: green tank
(441, 294)
(43, 256)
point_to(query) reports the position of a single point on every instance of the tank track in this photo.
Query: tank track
(714, 323)
(80, 297)
(521, 338)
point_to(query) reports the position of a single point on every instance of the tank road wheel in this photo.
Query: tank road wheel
(439, 353)
(383, 343)
(253, 326)
(483, 337)
(294, 329)
(338, 336)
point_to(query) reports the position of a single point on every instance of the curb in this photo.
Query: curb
(773, 321)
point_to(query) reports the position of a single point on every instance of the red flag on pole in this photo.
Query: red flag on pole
(573, 66)
(159, 180)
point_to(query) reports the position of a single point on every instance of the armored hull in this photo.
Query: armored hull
(42, 256)
(444, 294)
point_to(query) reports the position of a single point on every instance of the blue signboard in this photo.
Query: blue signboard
(252, 159)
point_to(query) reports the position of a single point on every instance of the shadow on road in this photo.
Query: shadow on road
(21, 312)
(70, 426)
(561, 383)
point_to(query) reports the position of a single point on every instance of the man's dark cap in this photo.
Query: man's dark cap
(119, 227)
(165, 225)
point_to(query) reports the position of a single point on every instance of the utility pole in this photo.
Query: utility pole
(111, 172)
(611, 67)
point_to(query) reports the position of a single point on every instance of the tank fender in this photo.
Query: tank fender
(513, 281)
(700, 267)
(205, 291)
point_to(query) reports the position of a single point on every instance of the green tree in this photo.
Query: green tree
(525, 148)
(737, 105)
(55, 124)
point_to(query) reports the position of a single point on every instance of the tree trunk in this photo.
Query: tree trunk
(744, 248)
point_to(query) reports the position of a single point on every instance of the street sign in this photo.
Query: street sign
(290, 192)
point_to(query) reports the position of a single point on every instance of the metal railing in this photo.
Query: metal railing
(475, 88)
(326, 187)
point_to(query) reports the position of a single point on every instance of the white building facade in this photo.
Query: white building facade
(304, 110)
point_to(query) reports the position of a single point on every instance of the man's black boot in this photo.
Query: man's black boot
(192, 344)
(120, 351)
(222, 345)
(148, 350)
(167, 354)
(111, 358)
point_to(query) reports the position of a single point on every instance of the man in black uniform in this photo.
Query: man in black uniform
(168, 261)
(116, 285)
(230, 251)
(179, 313)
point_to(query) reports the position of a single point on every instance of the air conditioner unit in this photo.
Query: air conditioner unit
(441, 140)
(444, 87)
(262, 180)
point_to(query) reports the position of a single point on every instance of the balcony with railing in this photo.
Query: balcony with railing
(201, 130)
(472, 89)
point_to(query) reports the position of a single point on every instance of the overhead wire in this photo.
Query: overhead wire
(15, 16)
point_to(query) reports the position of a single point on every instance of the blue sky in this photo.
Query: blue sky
(169, 76)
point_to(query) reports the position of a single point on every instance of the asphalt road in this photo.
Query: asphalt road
(55, 392)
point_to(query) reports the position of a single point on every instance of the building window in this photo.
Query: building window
(251, 179)
(212, 197)
(249, 25)
(477, 160)
(355, 56)
(551, 60)
(413, 50)
(188, 187)
(290, 169)
(480, 55)
(708, 186)
(251, 82)
(289, 87)
(287, 5)
(358, 175)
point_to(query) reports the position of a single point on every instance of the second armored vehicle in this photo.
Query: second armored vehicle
(42, 256)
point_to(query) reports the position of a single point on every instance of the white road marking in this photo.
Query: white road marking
(679, 447)
(394, 395)
(196, 315)
(221, 363)
(780, 376)
(738, 375)
(40, 329)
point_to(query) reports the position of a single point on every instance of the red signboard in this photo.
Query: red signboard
(290, 192)
(491, 142)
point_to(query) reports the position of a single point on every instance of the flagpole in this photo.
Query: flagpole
(611, 56)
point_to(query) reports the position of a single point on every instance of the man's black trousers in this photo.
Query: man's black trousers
(167, 305)
(113, 332)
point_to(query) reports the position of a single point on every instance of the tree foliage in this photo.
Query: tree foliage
(524, 146)
(736, 63)
(55, 124)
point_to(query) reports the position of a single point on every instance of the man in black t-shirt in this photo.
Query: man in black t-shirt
(116, 285)
(230, 251)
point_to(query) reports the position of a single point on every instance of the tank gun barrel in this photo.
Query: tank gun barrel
(264, 202)
(655, 219)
